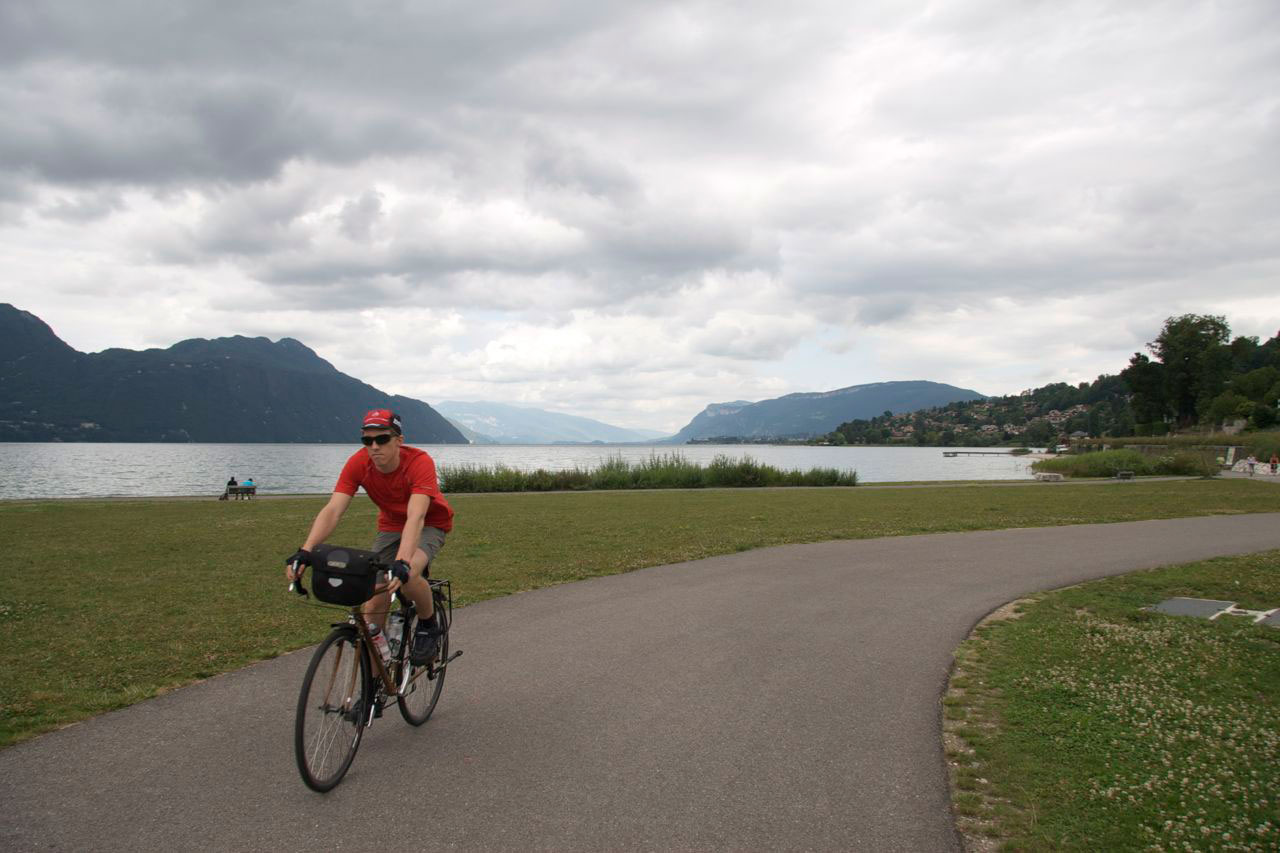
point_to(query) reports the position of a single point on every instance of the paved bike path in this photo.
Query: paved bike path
(785, 698)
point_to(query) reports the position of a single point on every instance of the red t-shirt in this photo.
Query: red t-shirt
(416, 475)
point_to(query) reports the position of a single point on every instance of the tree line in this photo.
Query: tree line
(1200, 376)
(1193, 375)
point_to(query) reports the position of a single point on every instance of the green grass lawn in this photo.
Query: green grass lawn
(106, 603)
(1087, 723)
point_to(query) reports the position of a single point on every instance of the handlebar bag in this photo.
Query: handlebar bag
(343, 575)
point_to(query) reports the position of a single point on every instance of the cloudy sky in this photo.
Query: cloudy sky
(630, 210)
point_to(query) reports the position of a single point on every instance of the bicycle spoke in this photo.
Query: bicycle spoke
(418, 698)
(319, 760)
(331, 710)
(327, 734)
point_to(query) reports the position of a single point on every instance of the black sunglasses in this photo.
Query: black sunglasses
(370, 440)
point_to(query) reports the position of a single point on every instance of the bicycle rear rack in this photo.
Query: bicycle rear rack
(445, 588)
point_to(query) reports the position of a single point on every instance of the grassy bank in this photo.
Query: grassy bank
(106, 603)
(1087, 723)
(666, 471)
(1260, 444)
(1105, 463)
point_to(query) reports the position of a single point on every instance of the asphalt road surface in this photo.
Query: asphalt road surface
(781, 699)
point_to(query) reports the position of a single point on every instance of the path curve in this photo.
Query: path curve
(785, 698)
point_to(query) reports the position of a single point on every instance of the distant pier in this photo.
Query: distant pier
(977, 453)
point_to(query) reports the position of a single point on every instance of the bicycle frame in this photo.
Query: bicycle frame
(383, 671)
(356, 674)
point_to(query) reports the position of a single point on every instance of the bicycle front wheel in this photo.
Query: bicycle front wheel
(426, 681)
(332, 710)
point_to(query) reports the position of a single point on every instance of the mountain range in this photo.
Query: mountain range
(501, 423)
(235, 389)
(241, 389)
(811, 414)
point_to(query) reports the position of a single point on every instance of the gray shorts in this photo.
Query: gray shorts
(385, 544)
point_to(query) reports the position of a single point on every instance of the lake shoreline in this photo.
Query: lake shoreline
(932, 484)
(64, 470)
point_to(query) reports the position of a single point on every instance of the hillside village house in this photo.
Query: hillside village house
(1057, 418)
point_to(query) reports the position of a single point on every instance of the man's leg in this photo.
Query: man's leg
(425, 637)
(429, 544)
(376, 609)
(417, 587)
(386, 544)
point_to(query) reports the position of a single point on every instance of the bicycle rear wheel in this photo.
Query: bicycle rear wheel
(427, 680)
(332, 710)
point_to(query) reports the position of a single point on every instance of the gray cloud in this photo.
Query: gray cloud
(78, 125)
(576, 170)
(669, 171)
(84, 207)
(358, 216)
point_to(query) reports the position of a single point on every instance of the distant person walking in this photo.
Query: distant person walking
(1251, 463)
(1275, 464)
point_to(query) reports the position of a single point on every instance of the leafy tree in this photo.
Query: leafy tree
(1123, 423)
(1145, 379)
(1077, 423)
(1255, 383)
(1246, 354)
(1272, 397)
(1100, 419)
(1269, 353)
(1197, 361)
(1039, 431)
(1228, 406)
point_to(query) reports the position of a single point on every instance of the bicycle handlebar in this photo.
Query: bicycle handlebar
(296, 585)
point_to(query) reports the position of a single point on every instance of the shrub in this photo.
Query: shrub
(668, 471)
(1105, 463)
(1257, 443)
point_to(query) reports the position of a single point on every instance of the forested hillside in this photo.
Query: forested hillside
(234, 389)
(800, 416)
(1194, 377)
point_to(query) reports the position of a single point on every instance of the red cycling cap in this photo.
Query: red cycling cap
(382, 419)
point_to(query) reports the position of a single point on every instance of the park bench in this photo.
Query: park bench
(1124, 475)
(242, 492)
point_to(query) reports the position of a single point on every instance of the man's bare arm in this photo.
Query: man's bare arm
(415, 517)
(326, 522)
(327, 519)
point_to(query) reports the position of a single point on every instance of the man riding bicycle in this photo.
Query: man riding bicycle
(413, 518)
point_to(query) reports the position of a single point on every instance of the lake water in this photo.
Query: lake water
(56, 470)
